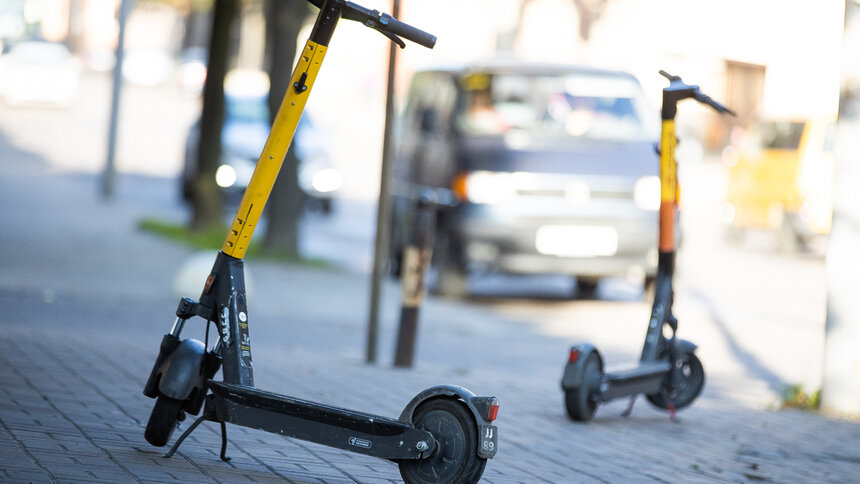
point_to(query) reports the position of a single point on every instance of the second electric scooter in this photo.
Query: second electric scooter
(445, 434)
(669, 373)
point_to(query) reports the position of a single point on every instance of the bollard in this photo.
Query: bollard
(416, 259)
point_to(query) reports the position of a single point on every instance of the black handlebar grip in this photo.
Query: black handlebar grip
(704, 98)
(408, 32)
(387, 24)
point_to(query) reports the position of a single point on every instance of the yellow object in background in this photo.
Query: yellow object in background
(781, 178)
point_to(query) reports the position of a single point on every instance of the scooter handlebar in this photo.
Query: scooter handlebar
(693, 91)
(385, 24)
(705, 99)
(669, 76)
(409, 32)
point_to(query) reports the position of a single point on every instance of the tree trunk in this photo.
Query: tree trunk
(589, 11)
(283, 21)
(205, 196)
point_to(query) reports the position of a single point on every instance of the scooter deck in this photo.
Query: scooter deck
(645, 378)
(329, 425)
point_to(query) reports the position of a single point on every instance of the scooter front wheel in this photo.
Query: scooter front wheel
(683, 385)
(166, 413)
(455, 458)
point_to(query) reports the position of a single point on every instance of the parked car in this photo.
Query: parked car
(39, 73)
(243, 135)
(780, 179)
(548, 169)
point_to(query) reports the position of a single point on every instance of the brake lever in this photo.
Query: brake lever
(387, 25)
(397, 40)
(378, 21)
(374, 19)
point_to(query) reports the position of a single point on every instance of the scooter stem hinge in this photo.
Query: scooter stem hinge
(189, 307)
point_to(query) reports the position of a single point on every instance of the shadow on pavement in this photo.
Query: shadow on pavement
(748, 360)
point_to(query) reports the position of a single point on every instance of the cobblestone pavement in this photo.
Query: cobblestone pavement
(85, 298)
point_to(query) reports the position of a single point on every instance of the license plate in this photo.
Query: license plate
(489, 441)
(576, 240)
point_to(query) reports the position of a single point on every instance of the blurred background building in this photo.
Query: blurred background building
(770, 58)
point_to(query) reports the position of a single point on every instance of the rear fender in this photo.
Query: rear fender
(478, 406)
(684, 346)
(575, 372)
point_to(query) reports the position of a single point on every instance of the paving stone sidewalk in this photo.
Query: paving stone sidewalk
(85, 297)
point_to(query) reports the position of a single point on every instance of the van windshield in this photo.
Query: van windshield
(595, 106)
(246, 108)
(781, 135)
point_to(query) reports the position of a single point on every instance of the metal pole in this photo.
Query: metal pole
(383, 212)
(108, 186)
(416, 259)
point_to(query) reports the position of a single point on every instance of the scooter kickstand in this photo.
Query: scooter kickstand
(182, 437)
(673, 415)
(629, 410)
(193, 426)
(224, 442)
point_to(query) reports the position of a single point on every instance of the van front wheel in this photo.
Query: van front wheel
(452, 279)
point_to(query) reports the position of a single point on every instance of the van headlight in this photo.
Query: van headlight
(225, 176)
(327, 180)
(316, 175)
(646, 193)
(489, 187)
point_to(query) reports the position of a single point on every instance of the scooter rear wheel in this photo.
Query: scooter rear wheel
(162, 421)
(455, 458)
(578, 401)
(681, 393)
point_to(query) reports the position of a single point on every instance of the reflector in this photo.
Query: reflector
(493, 410)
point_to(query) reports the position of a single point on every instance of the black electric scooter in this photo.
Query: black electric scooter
(445, 434)
(669, 373)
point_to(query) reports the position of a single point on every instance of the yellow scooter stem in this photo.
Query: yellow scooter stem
(272, 157)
